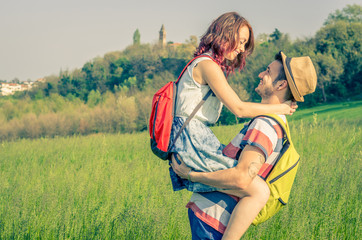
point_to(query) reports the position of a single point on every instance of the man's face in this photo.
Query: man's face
(266, 88)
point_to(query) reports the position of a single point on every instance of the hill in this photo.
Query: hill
(113, 93)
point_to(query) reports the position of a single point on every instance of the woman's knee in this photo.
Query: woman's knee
(260, 191)
(265, 193)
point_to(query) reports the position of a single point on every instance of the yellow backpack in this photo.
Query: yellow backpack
(281, 177)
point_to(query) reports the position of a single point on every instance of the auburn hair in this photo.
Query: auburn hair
(220, 39)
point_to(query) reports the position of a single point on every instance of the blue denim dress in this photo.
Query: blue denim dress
(197, 145)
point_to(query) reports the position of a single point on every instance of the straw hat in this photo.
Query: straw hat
(301, 76)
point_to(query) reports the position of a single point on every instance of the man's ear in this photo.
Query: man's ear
(282, 84)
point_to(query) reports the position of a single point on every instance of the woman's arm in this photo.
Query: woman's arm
(208, 72)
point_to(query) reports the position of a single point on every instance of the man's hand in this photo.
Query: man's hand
(180, 169)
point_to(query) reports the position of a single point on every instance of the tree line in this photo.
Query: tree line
(113, 93)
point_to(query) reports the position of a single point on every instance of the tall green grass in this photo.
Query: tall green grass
(337, 111)
(112, 187)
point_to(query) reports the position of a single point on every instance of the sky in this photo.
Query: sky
(39, 38)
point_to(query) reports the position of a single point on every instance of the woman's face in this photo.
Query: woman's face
(242, 37)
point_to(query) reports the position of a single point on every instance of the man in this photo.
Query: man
(257, 147)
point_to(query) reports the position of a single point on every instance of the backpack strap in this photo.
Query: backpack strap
(191, 116)
(179, 77)
(198, 105)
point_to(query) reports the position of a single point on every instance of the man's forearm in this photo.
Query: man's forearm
(238, 177)
(230, 178)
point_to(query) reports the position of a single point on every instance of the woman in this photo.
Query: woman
(229, 40)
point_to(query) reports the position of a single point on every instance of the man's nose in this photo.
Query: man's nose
(261, 75)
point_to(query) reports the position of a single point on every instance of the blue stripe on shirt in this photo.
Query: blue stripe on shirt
(221, 199)
(248, 142)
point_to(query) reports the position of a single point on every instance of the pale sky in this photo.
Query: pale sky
(41, 37)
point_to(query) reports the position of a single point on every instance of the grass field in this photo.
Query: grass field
(113, 187)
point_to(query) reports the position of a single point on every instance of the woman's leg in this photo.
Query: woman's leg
(253, 199)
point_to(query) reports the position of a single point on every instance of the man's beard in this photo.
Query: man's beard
(265, 93)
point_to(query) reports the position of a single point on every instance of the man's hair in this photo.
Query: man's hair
(281, 76)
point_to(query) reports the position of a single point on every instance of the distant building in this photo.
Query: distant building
(43, 80)
(174, 44)
(7, 89)
(162, 39)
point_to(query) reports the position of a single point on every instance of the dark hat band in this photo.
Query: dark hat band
(287, 63)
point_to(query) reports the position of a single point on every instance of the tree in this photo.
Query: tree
(79, 84)
(64, 86)
(15, 80)
(94, 97)
(262, 38)
(351, 13)
(136, 37)
(328, 70)
(49, 89)
(117, 73)
(342, 40)
(96, 74)
(276, 35)
(192, 41)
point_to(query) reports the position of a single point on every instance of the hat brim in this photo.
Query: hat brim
(293, 88)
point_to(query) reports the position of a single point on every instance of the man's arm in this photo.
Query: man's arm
(238, 177)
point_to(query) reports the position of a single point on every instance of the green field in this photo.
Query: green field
(112, 187)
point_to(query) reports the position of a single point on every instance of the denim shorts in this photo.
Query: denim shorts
(179, 184)
(200, 150)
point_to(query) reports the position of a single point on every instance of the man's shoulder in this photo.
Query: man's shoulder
(271, 118)
(264, 122)
(265, 133)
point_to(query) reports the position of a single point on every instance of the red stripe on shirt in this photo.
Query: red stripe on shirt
(279, 131)
(234, 197)
(254, 135)
(231, 151)
(212, 222)
(264, 170)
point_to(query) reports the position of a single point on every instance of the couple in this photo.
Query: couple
(200, 163)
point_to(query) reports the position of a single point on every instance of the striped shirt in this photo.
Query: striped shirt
(215, 208)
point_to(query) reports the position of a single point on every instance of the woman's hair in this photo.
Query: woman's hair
(220, 39)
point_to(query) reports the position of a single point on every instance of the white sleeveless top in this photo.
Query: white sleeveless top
(190, 93)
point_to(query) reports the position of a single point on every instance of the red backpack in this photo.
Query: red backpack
(162, 114)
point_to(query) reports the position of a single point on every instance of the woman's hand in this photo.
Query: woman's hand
(180, 169)
(291, 107)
